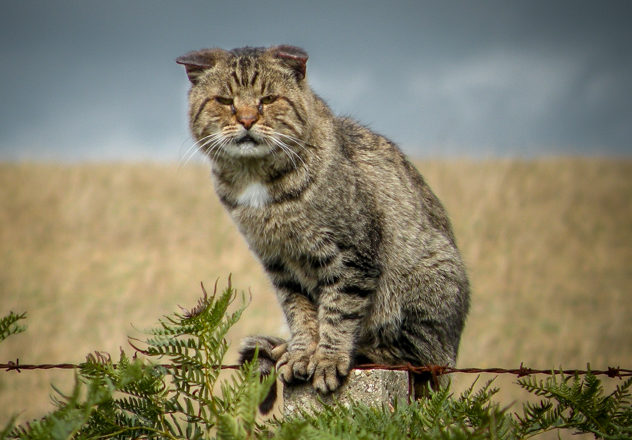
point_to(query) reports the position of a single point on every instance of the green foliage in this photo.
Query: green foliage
(167, 390)
(171, 389)
(9, 325)
(472, 415)
(578, 404)
(570, 403)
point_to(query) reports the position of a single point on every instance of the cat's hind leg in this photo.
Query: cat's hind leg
(270, 349)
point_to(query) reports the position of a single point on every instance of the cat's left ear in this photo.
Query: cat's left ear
(198, 61)
(293, 57)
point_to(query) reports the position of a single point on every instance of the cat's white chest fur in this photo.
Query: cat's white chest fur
(254, 195)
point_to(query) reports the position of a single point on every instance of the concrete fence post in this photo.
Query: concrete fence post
(371, 387)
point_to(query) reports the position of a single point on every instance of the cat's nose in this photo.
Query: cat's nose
(247, 117)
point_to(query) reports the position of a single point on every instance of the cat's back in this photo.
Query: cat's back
(375, 157)
(399, 190)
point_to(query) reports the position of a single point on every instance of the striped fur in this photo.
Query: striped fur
(359, 249)
(268, 350)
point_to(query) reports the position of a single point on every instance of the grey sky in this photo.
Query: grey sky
(97, 79)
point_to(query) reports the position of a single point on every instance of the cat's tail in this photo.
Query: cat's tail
(270, 349)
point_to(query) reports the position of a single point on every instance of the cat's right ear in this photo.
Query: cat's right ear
(293, 57)
(198, 61)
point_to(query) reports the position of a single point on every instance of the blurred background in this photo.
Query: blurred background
(97, 80)
(518, 114)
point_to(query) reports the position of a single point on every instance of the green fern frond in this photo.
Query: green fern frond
(577, 403)
(9, 325)
(441, 416)
(170, 389)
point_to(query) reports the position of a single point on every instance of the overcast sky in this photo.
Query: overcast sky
(97, 79)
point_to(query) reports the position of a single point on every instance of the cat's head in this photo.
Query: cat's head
(247, 102)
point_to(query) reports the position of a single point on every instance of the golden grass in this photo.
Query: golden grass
(88, 250)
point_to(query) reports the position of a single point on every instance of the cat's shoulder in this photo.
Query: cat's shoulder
(358, 141)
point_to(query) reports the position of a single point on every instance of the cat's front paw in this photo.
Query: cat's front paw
(294, 364)
(329, 370)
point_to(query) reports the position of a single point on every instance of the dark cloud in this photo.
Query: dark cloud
(97, 79)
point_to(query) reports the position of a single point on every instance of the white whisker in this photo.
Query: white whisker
(293, 139)
(288, 151)
(185, 157)
(198, 145)
(214, 144)
(217, 147)
(299, 143)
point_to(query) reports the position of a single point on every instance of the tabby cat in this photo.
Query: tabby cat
(359, 249)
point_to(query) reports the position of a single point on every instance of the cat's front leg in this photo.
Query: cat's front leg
(340, 315)
(301, 316)
(294, 364)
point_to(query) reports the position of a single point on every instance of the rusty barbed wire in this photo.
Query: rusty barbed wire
(434, 370)
(439, 370)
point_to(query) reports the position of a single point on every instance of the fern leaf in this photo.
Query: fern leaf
(9, 325)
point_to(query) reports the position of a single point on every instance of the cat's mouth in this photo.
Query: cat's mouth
(247, 139)
(247, 146)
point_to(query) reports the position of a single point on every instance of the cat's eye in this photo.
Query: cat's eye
(268, 99)
(223, 100)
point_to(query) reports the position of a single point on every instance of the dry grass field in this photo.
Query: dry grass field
(95, 251)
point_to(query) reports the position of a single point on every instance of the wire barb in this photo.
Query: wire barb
(434, 370)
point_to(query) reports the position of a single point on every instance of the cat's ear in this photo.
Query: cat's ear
(293, 57)
(198, 61)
